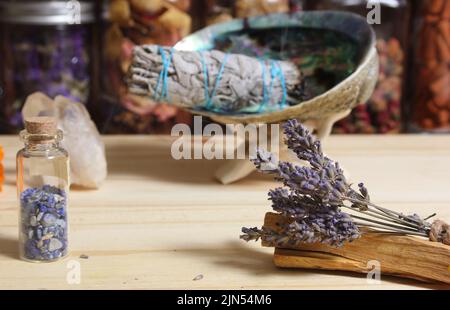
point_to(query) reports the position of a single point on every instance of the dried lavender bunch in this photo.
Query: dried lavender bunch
(314, 195)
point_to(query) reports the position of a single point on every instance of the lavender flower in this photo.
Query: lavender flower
(312, 198)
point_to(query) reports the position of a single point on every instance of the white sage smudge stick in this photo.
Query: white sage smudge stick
(213, 80)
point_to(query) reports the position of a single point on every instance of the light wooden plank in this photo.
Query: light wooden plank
(158, 223)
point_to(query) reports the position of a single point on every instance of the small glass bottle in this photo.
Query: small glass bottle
(42, 188)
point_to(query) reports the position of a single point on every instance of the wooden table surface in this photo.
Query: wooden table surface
(166, 224)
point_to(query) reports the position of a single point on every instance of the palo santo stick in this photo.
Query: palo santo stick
(405, 256)
(285, 258)
(316, 260)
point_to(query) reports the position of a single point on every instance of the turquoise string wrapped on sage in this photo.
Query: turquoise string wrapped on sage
(214, 81)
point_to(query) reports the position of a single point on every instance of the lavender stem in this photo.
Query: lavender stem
(387, 211)
(386, 217)
(429, 216)
(382, 223)
(392, 230)
(395, 219)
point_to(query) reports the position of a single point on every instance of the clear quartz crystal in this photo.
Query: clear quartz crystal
(42, 188)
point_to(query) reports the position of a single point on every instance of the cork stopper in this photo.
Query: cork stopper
(41, 125)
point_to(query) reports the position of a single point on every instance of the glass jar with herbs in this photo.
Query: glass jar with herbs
(219, 11)
(126, 24)
(46, 46)
(431, 69)
(42, 188)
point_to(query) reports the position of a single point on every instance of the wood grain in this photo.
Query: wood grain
(158, 223)
(287, 258)
(405, 256)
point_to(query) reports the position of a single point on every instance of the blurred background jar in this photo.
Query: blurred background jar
(45, 46)
(249, 8)
(383, 113)
(431, 67)
(128, 23)
(219, 11)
